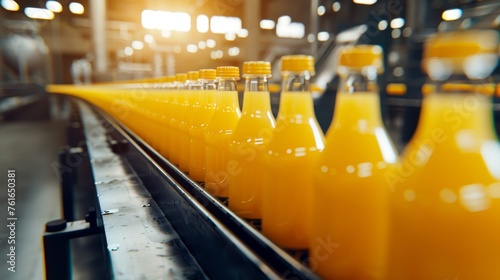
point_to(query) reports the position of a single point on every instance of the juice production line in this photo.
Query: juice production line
(127, 211)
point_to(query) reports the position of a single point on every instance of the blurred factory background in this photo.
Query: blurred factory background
(63, 42)
(40, 40)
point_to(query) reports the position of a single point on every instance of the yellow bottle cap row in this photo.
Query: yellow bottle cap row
(192, 75)
(207, 74)
(228, 72)
(456, 52)
(297, 63)
(361, 56)
(170, 79)
(257, 68)
(461, 44)
(181, 77)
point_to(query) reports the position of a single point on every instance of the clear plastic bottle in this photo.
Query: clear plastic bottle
(177, 108)
(202, 114)
(250, 137)
(446, 200)
(291, 155)
(219, 132)
(351, 196)
(166, 114)
(189, 94)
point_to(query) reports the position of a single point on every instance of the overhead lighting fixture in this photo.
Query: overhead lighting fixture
(138, 45)
(191, 48)
(364, 2)
(128, 51)
(38, 13)
(336, 6)
(267, 24)
(202, 45)
(382, 25)
(397, 23)
(294, 30)
(219, 54)
(76, 8)
(10, 5)
(323, 36)
(242, 33)
(211, 43)
(202, 24)
(54, 6)
(165, 20)
(166, 33)
(234, 51)
(230, 36)
(321, 10)
(148, 38)
(223, 25)
(452, 14)
(284, 19)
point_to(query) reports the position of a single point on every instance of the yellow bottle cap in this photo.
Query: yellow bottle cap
(473, 52)
(181, 77)
(207, 74)
(257, 68)
(170, 79)
(361, 56)
(228, 72)
(461, 44)
(192, 75)
(297, 63)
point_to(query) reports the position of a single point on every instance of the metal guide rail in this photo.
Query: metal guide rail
(159, 223)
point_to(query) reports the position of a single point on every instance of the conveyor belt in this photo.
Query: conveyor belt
(160, 224)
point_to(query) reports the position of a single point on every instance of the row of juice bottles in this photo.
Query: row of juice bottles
(360, 210)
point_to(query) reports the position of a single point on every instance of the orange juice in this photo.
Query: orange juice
(446, 199)
(290, 157)
(202, 113)
(166, 115)
(250, 136)
(219, 132)
(351, 196)
(176, 109)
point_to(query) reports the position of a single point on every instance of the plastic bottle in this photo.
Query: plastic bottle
(189, 94)
(166, 115)
(202, 114)
(219, 132)
(178, 100)
(351, 196)
(446, 201)
(250, 137)
(290, 157)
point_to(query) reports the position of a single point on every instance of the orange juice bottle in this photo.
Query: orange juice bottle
(176, 114)
(219, 132)
(446, 200)
(250, 136)
(189, 94)
(351, 196)
(203, 110)
(165, 116)
(291, 155)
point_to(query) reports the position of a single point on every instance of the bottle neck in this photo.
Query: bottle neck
(208, 84)
(296, 82)
(456, 113)
(458, 84)
(256, 83)
(193, 85)
(227, 84)
(352, 81)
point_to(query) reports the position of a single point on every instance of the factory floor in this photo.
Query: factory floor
(30, 147)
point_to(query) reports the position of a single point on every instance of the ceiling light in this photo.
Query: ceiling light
(452, 14)
(10, 5)
(76, 8)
